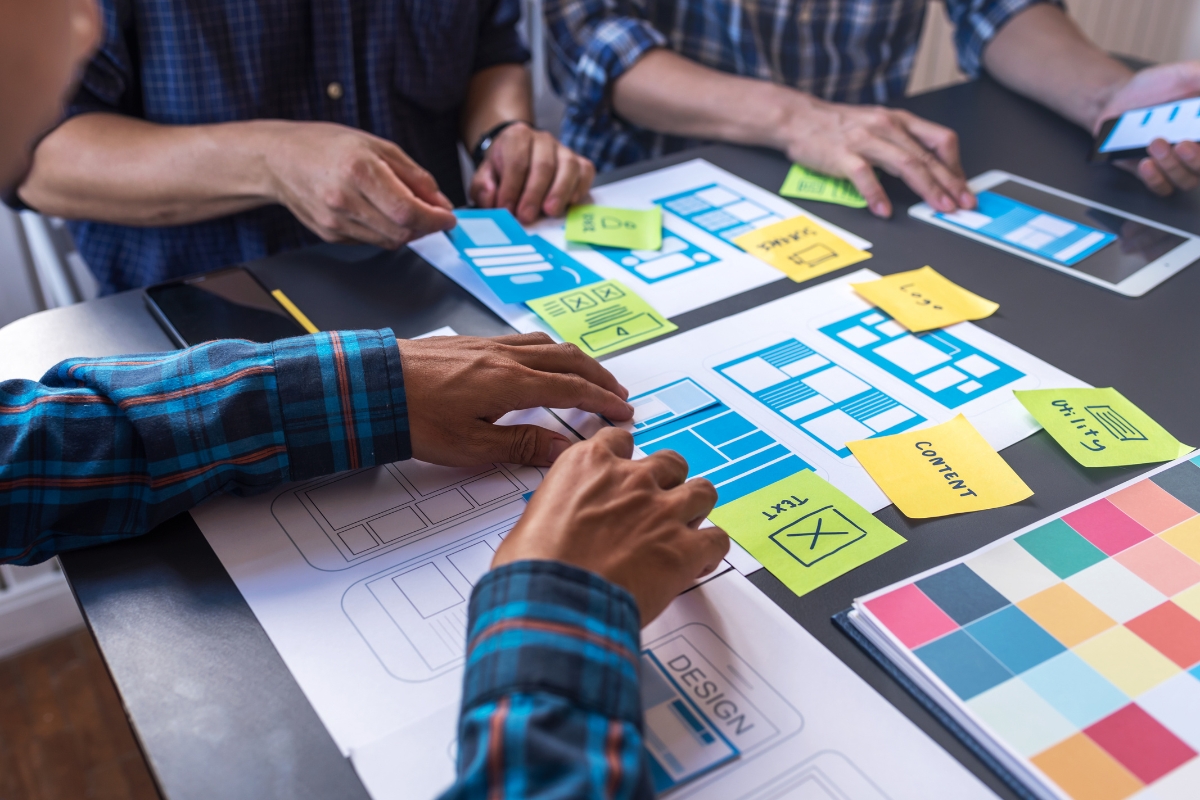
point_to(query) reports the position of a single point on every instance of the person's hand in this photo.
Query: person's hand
(457, 386)
(1167, 168)
(530, 173)
(346, 185)
(849, 141)
(633, 523)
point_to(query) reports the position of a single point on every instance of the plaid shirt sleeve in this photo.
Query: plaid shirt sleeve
(592, 43)
(551, 704)
(977, 21)
(107, 448)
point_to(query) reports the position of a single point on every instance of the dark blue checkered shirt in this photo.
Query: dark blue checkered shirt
(846, 51)
(404, 67)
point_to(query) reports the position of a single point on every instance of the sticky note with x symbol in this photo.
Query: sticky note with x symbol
(805, 531)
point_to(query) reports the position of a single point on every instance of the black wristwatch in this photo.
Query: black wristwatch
(486, 141)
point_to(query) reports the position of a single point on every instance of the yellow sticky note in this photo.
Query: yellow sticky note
(602, 317)
(923, 300)
(934, 472)
(800, 248)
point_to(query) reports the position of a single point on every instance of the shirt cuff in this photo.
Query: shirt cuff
(341, 397)
(977, 23)
(544, 626)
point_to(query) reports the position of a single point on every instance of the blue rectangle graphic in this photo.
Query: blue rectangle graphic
(1020, 225)
(936, 363)
(718, 443)
(513, 264)
(825, 400)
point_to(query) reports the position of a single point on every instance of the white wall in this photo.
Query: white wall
(1151, 30)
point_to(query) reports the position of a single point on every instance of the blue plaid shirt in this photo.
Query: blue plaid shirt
(551, 703)
(847, 51)
(404, 68)
(107, 448)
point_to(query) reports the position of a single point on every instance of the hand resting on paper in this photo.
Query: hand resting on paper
(633, 523)
(458, 386)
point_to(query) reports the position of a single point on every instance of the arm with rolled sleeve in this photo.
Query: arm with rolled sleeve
(551, 705)
(107, 448)
(592, 44)
(976, 22)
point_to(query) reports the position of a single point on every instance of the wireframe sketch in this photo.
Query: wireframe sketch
(342, 521)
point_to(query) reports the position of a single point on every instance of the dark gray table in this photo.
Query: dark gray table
(214, 707)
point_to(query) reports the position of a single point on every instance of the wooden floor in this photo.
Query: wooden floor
(63, 734)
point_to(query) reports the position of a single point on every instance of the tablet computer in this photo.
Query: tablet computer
(1093, 242)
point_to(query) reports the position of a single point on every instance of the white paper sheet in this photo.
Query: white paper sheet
(710, 356)
(696, 267)
(807, 727)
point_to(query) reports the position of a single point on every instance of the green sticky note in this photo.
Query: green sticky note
(616, 227)
(804, 184)
(805, 531)
(601, 318)
(1100, 428)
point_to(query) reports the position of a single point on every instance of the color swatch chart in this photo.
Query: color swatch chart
(937, 364)
(718, 443)
(826, 401)
(1076, 643)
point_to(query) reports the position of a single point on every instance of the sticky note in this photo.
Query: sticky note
(923, 300)
(806, 184)
(1100, 428)
(615, 227)
(800, 248)
(601, 318)
(934, 472)
(514, 264)
(805, 531)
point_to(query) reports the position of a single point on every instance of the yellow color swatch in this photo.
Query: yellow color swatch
(800, 248)
(1189, 600)
(934, 472)
(1066, 614)
(1185, 537)
(923, 299)
(1126, 660)
(1085, 772)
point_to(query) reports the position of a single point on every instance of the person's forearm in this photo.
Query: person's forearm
(103, 449)
(668, 93)
(1042, 54)
(496, 94)
(127, 171)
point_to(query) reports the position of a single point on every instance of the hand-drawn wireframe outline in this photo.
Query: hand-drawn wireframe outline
(835, 775)
(415, 644)
(344, 520)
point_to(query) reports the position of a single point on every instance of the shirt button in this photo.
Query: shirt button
(334, 90)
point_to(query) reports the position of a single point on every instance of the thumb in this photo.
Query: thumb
(521, 444)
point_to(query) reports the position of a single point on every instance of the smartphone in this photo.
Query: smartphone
(1095, 243)
(224, 304)
(1128, 135)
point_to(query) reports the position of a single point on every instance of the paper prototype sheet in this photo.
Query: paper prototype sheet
(924, 300)
(704, 208)
(805, 724)
(1101, 428)
(804, 531)
(939, 471)
(821, 367)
